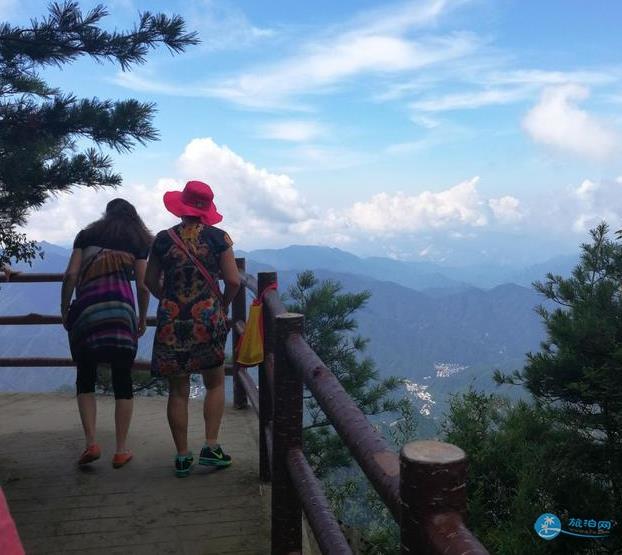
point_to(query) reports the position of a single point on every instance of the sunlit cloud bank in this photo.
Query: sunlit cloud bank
(266, 209)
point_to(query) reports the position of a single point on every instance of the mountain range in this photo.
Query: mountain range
(439, 327)
(420, 276)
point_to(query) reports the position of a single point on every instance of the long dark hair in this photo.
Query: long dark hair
(121, 222)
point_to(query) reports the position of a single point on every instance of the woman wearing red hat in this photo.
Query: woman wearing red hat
(183, 272)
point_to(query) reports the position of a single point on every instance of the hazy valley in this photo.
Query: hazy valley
(441, 328)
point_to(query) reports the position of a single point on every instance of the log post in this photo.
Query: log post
(238, 312)
(433, 499)
(287, 435)
(264, 280)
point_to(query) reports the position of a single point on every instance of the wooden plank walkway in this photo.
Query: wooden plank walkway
(141, 508)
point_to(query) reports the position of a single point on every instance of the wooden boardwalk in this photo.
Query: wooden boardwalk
(141, 508)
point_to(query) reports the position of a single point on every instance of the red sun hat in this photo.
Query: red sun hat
(197, 199)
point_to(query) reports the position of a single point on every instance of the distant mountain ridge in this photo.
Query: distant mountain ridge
(416, 275)
(436, 322)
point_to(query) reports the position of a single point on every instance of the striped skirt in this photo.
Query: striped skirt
(103, 318)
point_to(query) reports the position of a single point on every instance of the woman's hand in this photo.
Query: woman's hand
(64, 313)
(70, 279)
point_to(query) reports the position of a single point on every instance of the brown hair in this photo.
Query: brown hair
(122, 222)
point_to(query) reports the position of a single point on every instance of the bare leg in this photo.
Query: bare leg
(214, 404)
(177, 411)
(122, 415)
(87, 407)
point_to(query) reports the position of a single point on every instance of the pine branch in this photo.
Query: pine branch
(41, 125)
(67, 35)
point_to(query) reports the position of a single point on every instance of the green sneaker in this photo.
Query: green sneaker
(214, 457)
(183, 464)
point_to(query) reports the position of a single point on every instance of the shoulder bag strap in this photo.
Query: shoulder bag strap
(87, 266)
(208, 277)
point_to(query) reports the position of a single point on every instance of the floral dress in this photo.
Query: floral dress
(192, 327)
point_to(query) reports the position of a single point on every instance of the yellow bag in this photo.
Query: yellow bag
(250, 345)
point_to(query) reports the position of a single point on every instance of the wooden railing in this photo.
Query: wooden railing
(424, 486)
(35, 319)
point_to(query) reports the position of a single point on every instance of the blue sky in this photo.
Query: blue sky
(418, 130)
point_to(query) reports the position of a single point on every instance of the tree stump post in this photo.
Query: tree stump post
(434, 501)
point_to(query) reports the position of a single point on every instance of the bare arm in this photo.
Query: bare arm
(230, 275)
(153, 276)
(70, 279)
(140, 267)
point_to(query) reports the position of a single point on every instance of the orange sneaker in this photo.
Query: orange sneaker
(121, 459)
(90, 454)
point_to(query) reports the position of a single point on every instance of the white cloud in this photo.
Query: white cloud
(425, 121)
(260, 208)
(470, 100)
(374, 42)
(244, 191)
(222, 26)
(312, 157)
(266, 209)
(592, 202)
(145, 81)
(576, 208)
(396, 91)
(256, 204)
(437, 133)
(541, 77)
(64, 215)
(493, 82)
(586, 190)
(399, 213)
(557, 122)
(399, 18)
(425, 252)
(325, 64)
(506, 209)
(292, 130)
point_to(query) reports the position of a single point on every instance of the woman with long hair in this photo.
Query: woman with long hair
(183, 272)
(102, 322)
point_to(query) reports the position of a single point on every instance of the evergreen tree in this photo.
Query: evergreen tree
(41, 125)
(329, 331)
(561, 452)
(522, 464)
(578, 372)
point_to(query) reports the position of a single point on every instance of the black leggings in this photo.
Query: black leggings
(121, 368)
